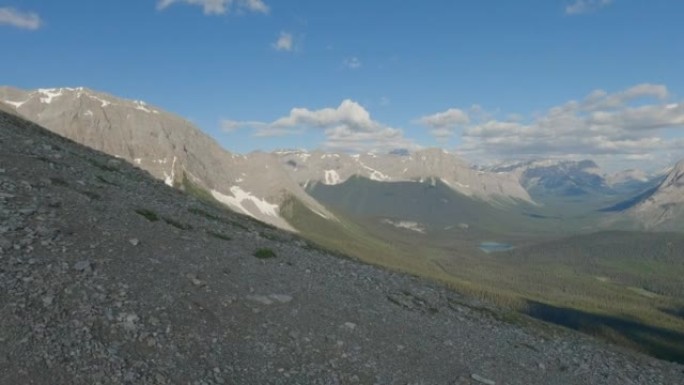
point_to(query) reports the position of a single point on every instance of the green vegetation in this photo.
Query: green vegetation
(91, 195)
(205, 196)
(106, 181)
(102, 166)
(265, 253)
(206, 214)
(216, 218)
(603, 278)
(148, 214)
(218, 235)
(272, 236)
(176, 224)
(58, 182)
(197, 191)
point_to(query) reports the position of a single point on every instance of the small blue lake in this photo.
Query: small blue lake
(492, 247)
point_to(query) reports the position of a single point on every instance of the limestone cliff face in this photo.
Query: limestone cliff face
(664, 209)
(166, 145)
(422, 165)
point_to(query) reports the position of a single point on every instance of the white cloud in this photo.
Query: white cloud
(285, 42)
(19, 19)
(256, 6)
(219, 7)
(443, 125)
(628, 124)
(349, 127)
(352, 63)
(230, 126)
(586, 6)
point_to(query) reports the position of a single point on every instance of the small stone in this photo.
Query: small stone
(193, 278)
(350, 325)
(5, 244)
(83, 266)
(262, 299)
(129, 377)
(27, 211)
(282, 298)
(129, 321)
(47, 300)
(134, 241)
(482, 380)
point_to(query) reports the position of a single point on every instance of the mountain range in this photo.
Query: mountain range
(257, 184)
(559, 225)
(108, 276)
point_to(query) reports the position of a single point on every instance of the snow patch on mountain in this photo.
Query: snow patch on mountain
(142, 106)
(332, 177)
(407, 225)
(628, 176)
(169, 178)
(15, 104)
(241, 197)
(375, 174)
(457, 185)
(49, 94)
(103, 103)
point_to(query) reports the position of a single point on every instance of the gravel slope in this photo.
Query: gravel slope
(93, 292)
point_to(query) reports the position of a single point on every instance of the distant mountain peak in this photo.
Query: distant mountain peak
(400, 152)
(26, 100)
(403, 166)
(167, 146)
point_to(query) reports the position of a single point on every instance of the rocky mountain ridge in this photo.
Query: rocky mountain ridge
(173, 150)
(257, 184)
(166, 145)
(421, 165)
(664, 207)
(565, 178)
(107, 276)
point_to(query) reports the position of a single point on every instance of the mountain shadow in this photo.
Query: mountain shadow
(658, 342)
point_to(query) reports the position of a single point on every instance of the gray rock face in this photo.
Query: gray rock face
(187, 307)
(564, 178)
(429, 164)
(664, 208)
(172, 150)
(165, 145)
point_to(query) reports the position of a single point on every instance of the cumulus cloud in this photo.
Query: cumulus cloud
(627, 124)
(586, 6)
(348, 127)
(443, 125)
(285, 42)
(256, 6)
(352, 63)
(219, 7)
(19, 19)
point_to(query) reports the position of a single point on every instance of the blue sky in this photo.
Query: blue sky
(489, 79)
